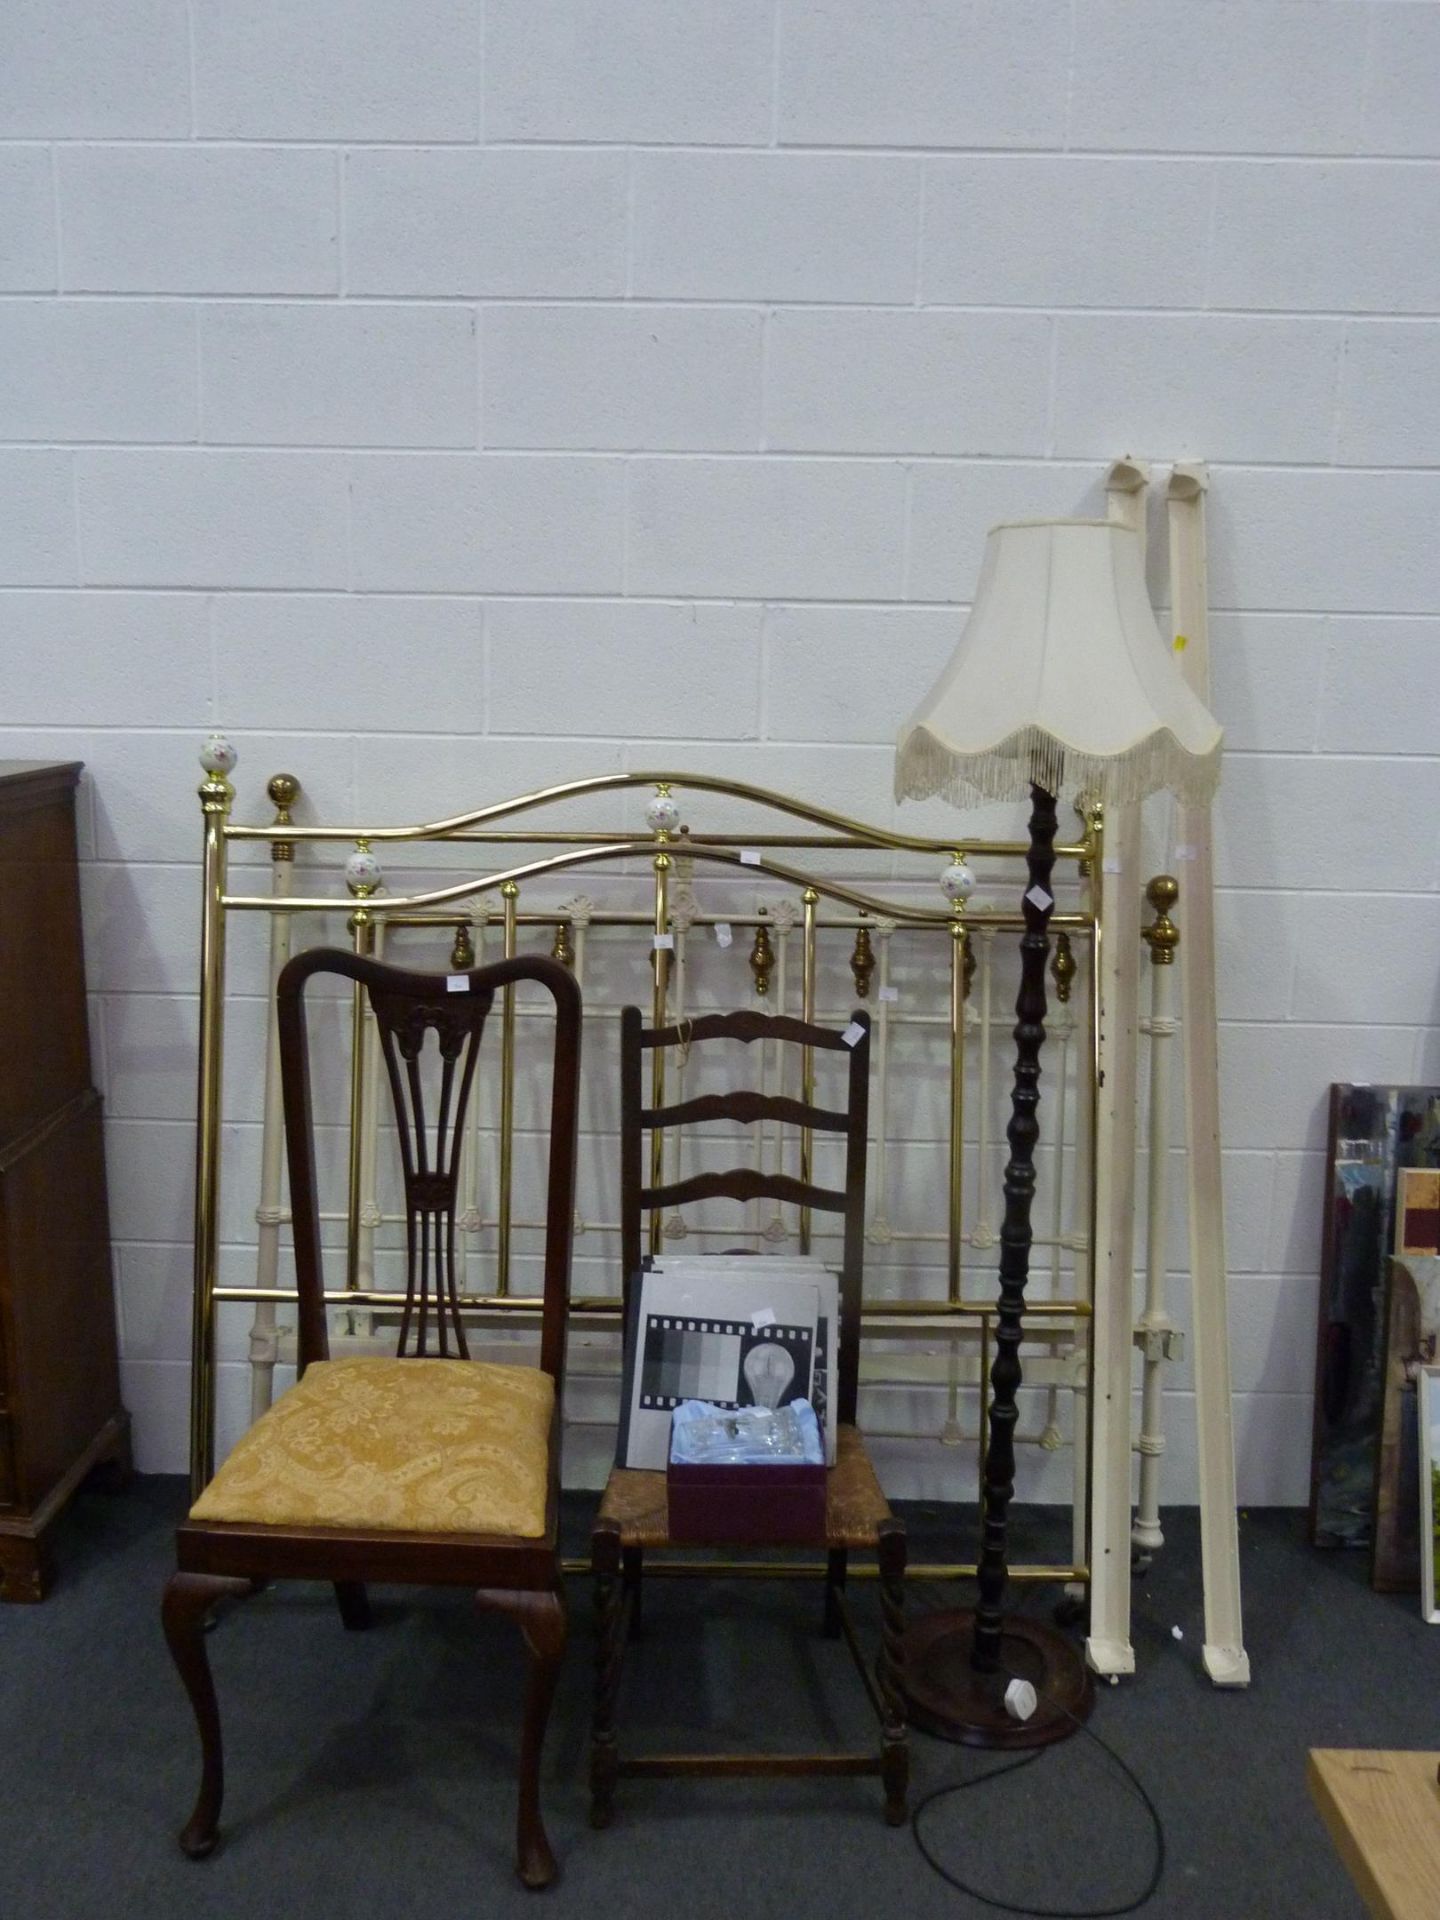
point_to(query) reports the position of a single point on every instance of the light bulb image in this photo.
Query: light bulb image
(768, 1371)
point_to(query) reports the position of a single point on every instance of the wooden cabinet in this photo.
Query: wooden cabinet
(60, 1411)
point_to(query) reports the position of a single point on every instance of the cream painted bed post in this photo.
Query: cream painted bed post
(1116, 1015)
(1156, 1335)
(1082, 1230)
(284, 790)
(1226, 1661)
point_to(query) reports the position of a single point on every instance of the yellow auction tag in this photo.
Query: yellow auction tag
(1181, 643)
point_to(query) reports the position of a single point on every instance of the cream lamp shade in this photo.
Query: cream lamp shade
(1060, 680)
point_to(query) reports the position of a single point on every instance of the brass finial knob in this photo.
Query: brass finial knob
(1063, 967)
(564, 948)
(862, 962)
(284, 791)
(462, 952)
(1162, 936)
(762, 959)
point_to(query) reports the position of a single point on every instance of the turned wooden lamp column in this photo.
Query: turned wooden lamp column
(1060, 683)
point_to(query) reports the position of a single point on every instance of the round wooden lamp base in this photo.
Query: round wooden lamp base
(945, 1696)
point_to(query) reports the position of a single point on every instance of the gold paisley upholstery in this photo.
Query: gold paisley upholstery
(433, 1446)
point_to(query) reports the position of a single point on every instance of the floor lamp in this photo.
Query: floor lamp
(1060, 684)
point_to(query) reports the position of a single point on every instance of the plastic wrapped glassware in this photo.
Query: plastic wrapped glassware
(703, 1435)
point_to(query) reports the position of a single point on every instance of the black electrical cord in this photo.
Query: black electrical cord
(1044, 1913)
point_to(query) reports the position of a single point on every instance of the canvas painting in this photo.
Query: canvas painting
(1375, 1134)
(1429, 1514)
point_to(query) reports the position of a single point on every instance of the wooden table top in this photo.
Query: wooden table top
(1383, 1812)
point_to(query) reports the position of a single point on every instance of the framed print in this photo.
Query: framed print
(1375, 1133)
(735, 1338)
(711, 1270)
(1412, 1341)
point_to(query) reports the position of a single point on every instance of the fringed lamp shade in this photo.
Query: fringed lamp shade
(1060, 680)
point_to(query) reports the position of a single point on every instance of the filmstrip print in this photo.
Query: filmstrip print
(730, 1363)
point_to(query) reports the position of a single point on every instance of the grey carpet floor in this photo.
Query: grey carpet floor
(372, 1774)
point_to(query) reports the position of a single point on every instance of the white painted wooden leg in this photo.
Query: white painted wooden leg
(1108, 1648)
(1224, 1654)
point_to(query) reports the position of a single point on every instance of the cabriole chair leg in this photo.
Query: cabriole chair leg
(188, 1602)
(541, 1619)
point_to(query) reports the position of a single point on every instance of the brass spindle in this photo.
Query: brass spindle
(216, 795)
(510, 894)
(660, 961)
(1091, 870)
(809, 899)
(284, 791)
(959, 945)
(362, 876)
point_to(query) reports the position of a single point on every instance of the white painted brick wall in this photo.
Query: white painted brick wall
(497, 222)
(95, 72)
(197, 219)
(81, 370)
(332, 375)
(629, 378)
(688, 73)
(939, 383)
(452, 396)
(773, 226)
(27, 219)
(403, 70)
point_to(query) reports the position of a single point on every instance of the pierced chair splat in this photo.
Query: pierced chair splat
(633, 1518)
(429, 1469)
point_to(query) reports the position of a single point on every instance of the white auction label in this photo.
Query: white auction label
(457, 983)
(664, 942)
(1040, 899)
(1020, 1700)
(853, 1034)
(890, 993)
(764, 1318)
(1110, 866)
(749, 857)
(723, 935)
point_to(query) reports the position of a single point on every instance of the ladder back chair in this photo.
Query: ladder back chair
(429, 1469)
(633, 1517)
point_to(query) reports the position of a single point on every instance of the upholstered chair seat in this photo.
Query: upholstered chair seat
(413, 1445)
